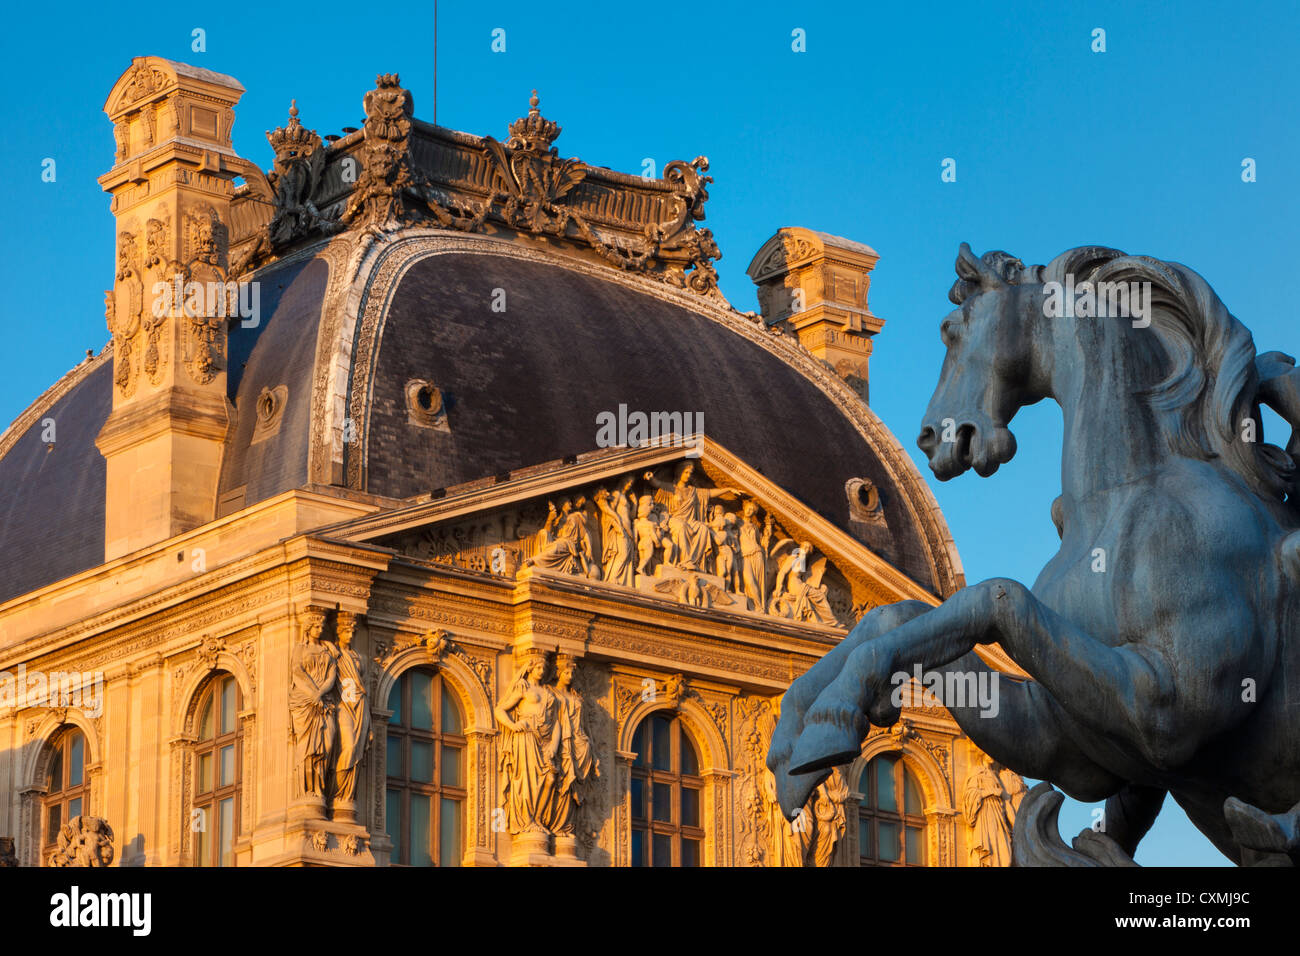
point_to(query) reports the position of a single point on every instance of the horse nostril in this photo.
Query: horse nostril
(927, 440)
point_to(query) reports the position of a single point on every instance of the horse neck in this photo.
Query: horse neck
(1099, 371)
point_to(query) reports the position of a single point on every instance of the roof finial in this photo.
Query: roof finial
(532, 105)
(293, 109)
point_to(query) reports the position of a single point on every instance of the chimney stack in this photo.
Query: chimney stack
(171, 184)
(815, 285)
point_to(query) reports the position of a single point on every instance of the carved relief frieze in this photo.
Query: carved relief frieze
(706, 547)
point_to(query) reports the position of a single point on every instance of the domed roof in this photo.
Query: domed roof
(477, 322)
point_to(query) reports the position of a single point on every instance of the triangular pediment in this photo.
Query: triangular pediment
(683, 523)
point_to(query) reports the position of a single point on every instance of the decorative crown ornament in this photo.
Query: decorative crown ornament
(293, 139)
(533, 132)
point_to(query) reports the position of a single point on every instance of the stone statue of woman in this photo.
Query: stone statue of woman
(985, 813)
(353, 719)
(313, 676)
(577, 762)
(529, 747)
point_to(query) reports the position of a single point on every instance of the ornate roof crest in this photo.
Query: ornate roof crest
(533, 132)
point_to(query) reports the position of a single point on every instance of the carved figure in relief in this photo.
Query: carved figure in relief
(795, 596)
(983, 806)
(649, 534)
(618, 533)
(577, 761)
(687, 507)
(754, 544)
(353, 712)
(566, 543)
(529, 717)
(84, 841)
(726, 545)
(313, 677)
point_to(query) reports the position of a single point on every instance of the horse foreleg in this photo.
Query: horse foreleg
(805, 690)
(1112, 689)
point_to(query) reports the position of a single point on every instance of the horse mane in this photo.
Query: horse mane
(1212, 385)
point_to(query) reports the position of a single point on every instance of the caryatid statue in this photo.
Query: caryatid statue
(529, 717)
(577, 762)
(312, 708)
(353, 716)
(985, 811)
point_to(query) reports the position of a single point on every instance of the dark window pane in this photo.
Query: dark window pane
(421, 701)
(663, 850)
(864, 786)
(451, 766)
(638, 798)
(690, 807)
(661, 802)
(395, 702)
(395, 767)
(205, 774)
(226, 771)
(865, 847)
(420, 810)
(228, 706)
(393, 822)
(639, 745)
(690, 853)
(690, 763)
(890, 847)
(422, 761)
(915, 853)
(886, 799)
(911, 794)
(661, 747)
(53, 823)
(451, 721)
(74, 808)
(54, 779)
(76, 760)
(638, 847)
(449, 846)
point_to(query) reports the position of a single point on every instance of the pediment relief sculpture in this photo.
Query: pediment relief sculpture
(665, 533)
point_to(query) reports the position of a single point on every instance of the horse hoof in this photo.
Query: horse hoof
(822, 746)
(793, 790)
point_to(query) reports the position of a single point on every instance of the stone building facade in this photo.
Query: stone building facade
(430, 505)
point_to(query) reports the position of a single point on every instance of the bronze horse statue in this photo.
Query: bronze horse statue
(1171, 666)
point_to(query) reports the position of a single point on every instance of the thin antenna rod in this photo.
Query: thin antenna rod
(435, 62)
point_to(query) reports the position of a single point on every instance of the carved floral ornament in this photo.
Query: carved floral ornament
(662, 533)
(521, 183)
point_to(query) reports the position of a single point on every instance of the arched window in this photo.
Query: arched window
(425, 808)
(666, 790)
(891, 822)
(218, 759)
(66, 792)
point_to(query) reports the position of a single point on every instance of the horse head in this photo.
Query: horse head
(990, 370)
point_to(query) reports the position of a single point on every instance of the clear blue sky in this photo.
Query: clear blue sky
(1139, 147)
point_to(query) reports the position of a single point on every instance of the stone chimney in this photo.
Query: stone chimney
(171, 184)
(815, 286)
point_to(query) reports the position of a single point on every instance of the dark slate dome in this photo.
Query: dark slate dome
(526, 385)
(349, 324)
